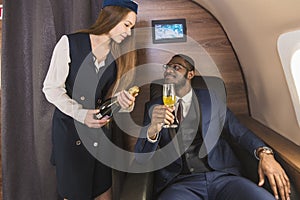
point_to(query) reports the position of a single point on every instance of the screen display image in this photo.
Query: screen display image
(168, 31)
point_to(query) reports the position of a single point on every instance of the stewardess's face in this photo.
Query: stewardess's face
(123, 28)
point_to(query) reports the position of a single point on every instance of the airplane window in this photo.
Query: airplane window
(295, 64)
(288, 45)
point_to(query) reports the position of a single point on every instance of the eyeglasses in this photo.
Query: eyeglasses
(175, 67)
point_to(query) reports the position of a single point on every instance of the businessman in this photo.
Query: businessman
(206, 167)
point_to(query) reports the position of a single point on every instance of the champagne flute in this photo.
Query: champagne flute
(169, 99)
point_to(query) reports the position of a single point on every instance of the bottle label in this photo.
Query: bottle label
(98, 116)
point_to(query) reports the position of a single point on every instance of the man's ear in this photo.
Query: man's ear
(190, 75)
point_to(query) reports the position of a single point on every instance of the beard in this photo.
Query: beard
(179, 81)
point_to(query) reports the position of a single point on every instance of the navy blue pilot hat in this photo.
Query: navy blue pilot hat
(132, 5)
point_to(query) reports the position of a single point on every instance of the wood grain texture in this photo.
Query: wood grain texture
(203, 28)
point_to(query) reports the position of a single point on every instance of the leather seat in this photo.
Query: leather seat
(139, 186)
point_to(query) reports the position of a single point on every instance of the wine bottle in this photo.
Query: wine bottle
(111, 105)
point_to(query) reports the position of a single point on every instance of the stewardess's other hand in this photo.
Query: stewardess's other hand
(125, 99)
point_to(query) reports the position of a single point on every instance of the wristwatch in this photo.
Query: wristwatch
(266, 150)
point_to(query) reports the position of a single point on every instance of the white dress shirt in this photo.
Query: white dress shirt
(54, 84)
(186, 102)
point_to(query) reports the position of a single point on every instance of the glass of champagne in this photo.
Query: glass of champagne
(169, 99)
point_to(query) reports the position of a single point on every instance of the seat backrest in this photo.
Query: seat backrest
(198, 82)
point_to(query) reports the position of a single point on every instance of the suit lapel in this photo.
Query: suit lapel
(205, 109)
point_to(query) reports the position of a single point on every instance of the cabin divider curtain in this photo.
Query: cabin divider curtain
(31, 29)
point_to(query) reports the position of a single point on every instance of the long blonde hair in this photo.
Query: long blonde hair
(108, 18)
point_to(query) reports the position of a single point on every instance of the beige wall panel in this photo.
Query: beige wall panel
(253, 28)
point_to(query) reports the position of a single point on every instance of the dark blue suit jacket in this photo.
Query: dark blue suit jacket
(218, 126)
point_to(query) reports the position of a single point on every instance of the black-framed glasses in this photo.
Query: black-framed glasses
(175, 67)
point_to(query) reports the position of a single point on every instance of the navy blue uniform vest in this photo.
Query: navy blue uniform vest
(75, 166)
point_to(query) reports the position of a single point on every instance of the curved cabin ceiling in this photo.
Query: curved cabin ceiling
(253, 27)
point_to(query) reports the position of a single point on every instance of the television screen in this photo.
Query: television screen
(173, 30)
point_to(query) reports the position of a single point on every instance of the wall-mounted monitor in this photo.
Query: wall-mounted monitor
(169, 30)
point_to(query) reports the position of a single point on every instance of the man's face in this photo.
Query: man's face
(176, 72)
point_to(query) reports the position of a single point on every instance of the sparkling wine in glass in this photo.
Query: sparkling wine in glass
(169, 99)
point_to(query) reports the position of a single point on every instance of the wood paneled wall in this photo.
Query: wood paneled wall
(0, 44)
(203, 29)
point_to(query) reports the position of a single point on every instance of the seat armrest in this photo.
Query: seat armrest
(137, 186)
(286, 152)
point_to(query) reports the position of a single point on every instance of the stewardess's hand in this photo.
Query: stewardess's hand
(125, 99)
(91, 122)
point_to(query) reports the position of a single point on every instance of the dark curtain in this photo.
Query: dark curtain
(31, 28)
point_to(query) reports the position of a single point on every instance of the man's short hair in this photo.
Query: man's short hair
(188, 60)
